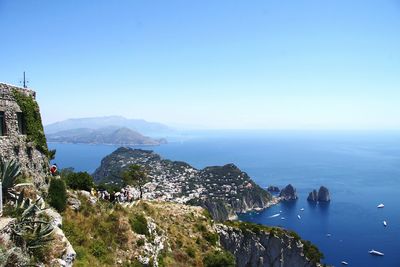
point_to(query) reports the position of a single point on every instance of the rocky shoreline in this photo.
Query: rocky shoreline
(272, 202)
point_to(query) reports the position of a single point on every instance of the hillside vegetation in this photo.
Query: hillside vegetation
(169, 234)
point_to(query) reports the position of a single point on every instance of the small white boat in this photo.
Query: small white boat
(302, 209)
(280, 211)
(380, 206)
(298, 216)
(384, 223)
(328, 235)
(275, 215)
(282, 218)
(345, 263)
(375, 252)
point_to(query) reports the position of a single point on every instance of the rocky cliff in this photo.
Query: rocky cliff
(260, 246)
(223, 190)
(158, 233)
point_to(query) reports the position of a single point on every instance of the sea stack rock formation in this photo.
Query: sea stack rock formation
(322, 195)
(313, 196)
(288, 193)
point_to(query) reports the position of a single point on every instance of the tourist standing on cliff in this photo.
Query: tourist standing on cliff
(53, 169)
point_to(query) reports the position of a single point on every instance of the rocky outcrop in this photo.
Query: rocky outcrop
(313, 196)
(55, 217)
(273, 189)
(322, 195)
(257, 246)
(218, 210)
(68, 253)
(63, 254)
(288, 193)
(223, 190)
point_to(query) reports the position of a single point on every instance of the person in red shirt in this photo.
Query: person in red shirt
(53, 169)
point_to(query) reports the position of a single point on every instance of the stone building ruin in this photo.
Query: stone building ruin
(15, 142)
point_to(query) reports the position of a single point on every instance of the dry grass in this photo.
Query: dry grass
(102, 235)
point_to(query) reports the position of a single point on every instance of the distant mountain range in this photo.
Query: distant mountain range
(141, 126)
(106, 135)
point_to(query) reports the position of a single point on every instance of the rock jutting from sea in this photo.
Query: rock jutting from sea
(313, 196)
(288, 193)
(322, 195)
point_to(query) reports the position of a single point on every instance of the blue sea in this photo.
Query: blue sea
(361, 170)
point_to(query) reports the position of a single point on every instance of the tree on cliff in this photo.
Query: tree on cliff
(135, 176)
(77, 180)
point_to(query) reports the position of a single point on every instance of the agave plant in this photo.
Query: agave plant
(30, 232)
(9, 171)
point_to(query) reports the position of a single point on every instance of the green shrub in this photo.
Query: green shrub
(98, 248)
(140, 242)
(74, 233)
(139, 224)
(201, 227)
(207, 214)
(57, 196)
(78, 180)
(191, 252)
(211, 238)
(312, 252)
(81, 253)
(219, 259)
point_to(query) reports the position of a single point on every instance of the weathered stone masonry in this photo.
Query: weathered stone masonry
(13, 141)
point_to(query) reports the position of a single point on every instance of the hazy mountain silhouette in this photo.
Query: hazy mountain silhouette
(142, 126)
(108, 135)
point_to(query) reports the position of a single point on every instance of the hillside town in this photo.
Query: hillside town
(181, 183)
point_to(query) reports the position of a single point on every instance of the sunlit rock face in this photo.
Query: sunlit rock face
(262, 248)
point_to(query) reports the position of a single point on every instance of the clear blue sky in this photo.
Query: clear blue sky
(218, 64)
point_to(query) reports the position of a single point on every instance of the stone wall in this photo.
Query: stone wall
(14, 145)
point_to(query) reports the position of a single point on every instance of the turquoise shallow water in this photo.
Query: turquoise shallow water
(361, 169)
